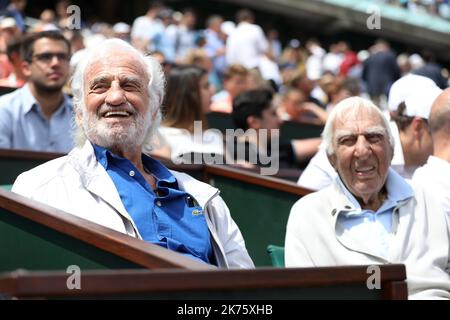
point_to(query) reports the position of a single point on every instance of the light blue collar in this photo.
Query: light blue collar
(30, 102)
(398, 190)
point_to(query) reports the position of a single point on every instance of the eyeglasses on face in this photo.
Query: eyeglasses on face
(47, 57)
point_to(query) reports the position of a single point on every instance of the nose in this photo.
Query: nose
(55, 61)
(362, 148)
(116, 95)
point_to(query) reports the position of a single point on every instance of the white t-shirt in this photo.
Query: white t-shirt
(246, 45)
(435, 175)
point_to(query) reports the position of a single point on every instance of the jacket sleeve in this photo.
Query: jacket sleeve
(295, 253)
(229, 235)
(21, 186)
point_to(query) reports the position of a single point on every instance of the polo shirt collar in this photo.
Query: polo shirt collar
(162, 174)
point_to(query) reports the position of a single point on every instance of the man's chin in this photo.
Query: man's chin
(51, 88)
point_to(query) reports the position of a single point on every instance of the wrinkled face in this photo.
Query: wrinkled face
(49, 67)
(362, 153)
(116, 113)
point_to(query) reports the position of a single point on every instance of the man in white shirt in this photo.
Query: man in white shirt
(370, 215)
(247, 44)
(141, 31)
(435, 174)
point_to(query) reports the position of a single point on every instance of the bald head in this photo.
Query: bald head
(440, 115)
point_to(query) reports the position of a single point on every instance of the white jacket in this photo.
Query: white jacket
(420, 240)
(79, 185)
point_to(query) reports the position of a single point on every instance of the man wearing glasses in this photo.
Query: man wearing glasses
(38, 116)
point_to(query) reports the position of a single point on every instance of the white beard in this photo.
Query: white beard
(117, 136)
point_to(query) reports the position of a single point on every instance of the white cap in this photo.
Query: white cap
(121, 27)
(405, 86)
(416, 61)
(8, 23)
(418, 104)
(228, 27)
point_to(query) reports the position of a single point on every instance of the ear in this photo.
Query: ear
(253, 122)
(417, 126)
(78, 117)
(332, 160)
(26, 68)
(155, 113)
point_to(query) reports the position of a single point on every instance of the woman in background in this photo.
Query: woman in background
(188, 98)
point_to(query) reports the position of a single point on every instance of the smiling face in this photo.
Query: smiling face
(116, 113)
(362, 153)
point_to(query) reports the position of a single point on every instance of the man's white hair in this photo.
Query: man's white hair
(156, 85)
(350, 108)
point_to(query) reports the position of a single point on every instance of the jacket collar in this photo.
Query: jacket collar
(398, 189)
(202, 192)
(95, 178)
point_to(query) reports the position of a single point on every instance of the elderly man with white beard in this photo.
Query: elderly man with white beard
(108, 178)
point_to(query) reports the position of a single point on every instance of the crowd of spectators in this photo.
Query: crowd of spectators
(435, 7)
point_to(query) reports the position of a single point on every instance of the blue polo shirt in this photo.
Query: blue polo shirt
(166, 216)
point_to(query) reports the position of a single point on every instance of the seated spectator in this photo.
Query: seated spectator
(215, 44)
(108, 179)
(16, 78)
(436, 171)
(309, 88)
(199, 57)
(345, 89)
(9, 32)
(296, 107)
(432, 70)
(412, 123)
(403, 87)
(184, 128)
(122, 31)
(255, 110)
(39, 116)
(236, 79)
(370, 215)
(16, 10)
(412, 138)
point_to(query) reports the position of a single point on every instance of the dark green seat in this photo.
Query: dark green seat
(259, 205)
(14, 162)
(276, 254)
(220, 120)
(6, 187)
(34, 236)
(290, 130)
(6, 90)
